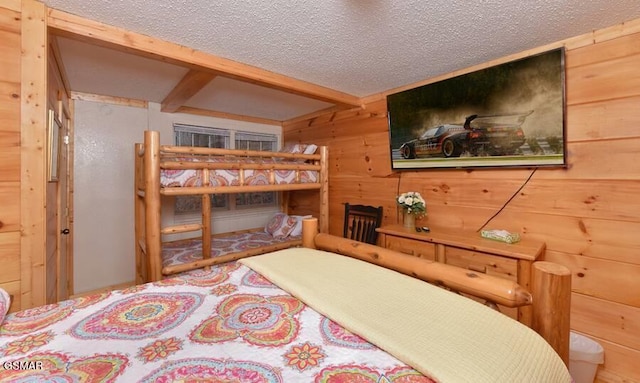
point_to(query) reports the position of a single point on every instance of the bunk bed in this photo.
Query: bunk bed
(162, 170)
(347, 313)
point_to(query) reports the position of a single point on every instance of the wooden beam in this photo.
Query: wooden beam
(322, 112)
(190, 84)
(93, 32)
(152, 219)
(33, 154)
(57, 58)
(109, 99)
(228, 116)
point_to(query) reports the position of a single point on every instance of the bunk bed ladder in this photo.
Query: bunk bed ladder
(139, 195)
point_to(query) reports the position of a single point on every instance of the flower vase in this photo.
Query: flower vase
(409, 220)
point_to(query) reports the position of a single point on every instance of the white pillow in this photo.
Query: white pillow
(280, 225)
(310, 149)
(294, 148)
(299, 148)
(297, 229)
(5, 303)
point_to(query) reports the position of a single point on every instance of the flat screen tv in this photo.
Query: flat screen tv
(510, 114)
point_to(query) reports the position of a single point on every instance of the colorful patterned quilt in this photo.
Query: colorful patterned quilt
(190, 250)
(224, 325)
(224, 177)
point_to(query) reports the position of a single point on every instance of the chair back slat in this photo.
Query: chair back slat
(361, 222)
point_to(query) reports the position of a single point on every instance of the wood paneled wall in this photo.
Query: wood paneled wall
(10, 64)
(23, 119)
(588, 214)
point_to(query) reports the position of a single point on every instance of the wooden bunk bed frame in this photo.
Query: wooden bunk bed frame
(549, 296)
(151, 158)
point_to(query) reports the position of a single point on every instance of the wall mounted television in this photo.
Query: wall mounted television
(508, 115)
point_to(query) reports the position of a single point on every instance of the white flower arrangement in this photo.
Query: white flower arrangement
(413, 203)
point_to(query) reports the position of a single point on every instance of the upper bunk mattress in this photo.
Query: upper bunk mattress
(231, 177)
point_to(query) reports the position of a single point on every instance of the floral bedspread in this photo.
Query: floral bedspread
(231, 177)
(190, 250)
(229, 324)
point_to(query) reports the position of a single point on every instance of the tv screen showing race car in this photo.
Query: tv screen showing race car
(510, 114)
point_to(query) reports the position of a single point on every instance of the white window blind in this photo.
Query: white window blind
(256, 141)
(202, 137)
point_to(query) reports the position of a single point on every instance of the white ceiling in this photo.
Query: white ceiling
(359, 47)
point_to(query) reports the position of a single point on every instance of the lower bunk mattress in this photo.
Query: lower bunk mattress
(232, 324)
(190, 250)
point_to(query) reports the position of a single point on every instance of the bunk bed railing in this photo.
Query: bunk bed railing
(167, 149)
(183, 165)
(191, 190)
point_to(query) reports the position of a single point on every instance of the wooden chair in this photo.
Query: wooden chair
(361, 222)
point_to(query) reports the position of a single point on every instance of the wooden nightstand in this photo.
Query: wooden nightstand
(467, 249)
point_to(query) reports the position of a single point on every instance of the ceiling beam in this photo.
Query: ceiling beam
(93, 32)
(92, 97)
(312, 115)
(228, 116)
(190, 84)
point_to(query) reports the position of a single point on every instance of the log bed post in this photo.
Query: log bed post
(309, 231)
(152, 203)
(324, 190)
(551, 290)
(206, 217)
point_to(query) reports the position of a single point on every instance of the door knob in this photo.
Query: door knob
(65, 231)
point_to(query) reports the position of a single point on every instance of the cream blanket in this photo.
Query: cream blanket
(443, 335)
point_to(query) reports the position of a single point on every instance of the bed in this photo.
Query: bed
(299, 315)
(162, 170)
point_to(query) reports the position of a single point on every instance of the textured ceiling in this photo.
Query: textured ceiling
(97, 70)
(359, 47)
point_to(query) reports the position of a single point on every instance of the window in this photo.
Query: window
(189, 135)
(256, 141)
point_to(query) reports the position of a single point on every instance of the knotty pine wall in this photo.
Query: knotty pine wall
(10, 64)
(588, 214)
(23, 186)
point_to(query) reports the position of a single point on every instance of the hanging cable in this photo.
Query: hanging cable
(397, 194)
(508, 201)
